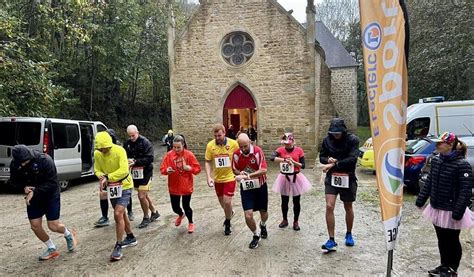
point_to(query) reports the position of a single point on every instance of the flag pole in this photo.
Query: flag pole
(389, 263)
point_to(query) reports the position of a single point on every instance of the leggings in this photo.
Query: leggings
(449, 246)
(104, 207)
(296, 206)
(186, 206)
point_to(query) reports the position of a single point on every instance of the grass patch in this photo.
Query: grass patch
(363, 132)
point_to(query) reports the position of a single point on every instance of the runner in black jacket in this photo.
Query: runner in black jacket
(338, 155)
(35, 172)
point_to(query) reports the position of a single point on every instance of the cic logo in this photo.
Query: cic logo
(372, 36)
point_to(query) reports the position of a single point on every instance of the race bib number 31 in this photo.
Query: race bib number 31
(250, 184)
(114, 190)
(340, 180)
(287, 168)
(222, 162)
(137, 173)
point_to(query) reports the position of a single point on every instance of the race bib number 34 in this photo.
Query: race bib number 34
(340, 180)
(222, 162)
(287, 168)
(137, 173)
(114, 190)
(250, 184)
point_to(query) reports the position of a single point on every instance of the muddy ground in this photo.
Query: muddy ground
(164, 249)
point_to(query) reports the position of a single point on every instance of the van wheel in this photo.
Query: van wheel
(64, 184)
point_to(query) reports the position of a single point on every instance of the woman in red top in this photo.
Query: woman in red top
(290, 181)
(180, 165)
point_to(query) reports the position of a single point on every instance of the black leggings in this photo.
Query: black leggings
(449, 246)
(296, 206)
(186, 206)
(104, 207)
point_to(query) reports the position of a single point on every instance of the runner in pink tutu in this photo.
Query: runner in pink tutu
(290, 181)
(448, 187)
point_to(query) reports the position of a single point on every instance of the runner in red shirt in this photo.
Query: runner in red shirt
(250, 168)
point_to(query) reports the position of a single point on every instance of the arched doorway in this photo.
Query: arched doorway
(240, 112)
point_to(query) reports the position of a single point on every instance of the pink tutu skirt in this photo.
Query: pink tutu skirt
(443, 218)
(288, 188)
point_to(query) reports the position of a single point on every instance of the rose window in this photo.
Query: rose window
(237, 48)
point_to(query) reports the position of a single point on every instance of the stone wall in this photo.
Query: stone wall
(344, 95)
(277, 76)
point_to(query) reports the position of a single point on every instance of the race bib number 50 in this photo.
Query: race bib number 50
(340, 180)
(114, 190)
(222, 162)
(250, 184)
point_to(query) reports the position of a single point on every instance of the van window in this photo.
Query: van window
(101, 128)
(418, 128)
(13, 133)
(65, 135)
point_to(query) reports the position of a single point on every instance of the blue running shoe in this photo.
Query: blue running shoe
(329, 246)
(71, 241)
(349, 240)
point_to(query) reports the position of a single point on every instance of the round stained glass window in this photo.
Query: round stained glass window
(237, 48)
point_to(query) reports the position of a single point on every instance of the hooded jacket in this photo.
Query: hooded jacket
(448, 185)
(180, 182)
(114, 164)
(345, 150)
(40, 173)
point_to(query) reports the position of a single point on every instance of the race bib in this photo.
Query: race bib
(222, 162)
(114, 190)
(137, 173)
(287, 168)
(340, 180)
(250, 184)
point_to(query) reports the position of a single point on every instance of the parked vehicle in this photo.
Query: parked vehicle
(430, 117)
(69, 142)
(469, 157)
(415, 157)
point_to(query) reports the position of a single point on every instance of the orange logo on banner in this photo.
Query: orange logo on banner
(383, 39)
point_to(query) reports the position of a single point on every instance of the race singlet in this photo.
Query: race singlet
(222, 162)
(340, 180)
(114, 190)
(137, 173)
(287, 168)
(250, 184)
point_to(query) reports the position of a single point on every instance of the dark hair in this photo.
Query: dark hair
(461, 148)
(182, 139)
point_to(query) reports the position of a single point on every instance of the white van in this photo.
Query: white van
(69, 142)
(428, 118)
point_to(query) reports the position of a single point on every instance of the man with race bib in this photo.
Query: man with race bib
(339, 157)
(250, 168)
(140, 160)
(111, 167)
(219, 172)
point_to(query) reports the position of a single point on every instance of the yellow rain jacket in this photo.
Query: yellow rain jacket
(114, 163)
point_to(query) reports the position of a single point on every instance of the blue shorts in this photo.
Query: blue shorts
(124, 200)
(255, 199)
(51, 208)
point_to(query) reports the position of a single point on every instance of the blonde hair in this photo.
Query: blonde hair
(218, 127)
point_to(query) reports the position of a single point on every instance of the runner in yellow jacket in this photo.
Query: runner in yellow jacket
(111, 167)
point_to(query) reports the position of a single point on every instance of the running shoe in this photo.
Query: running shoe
(154, 216)
(227, 230)
(349, 240)
(254, 243)
(449, 273)
(178, 220)
(329, 246)
(296, 226)
(191, 228)
(129, 241)
(103, 221)
(145, 223)
(117, 253)
(71, 241)
(231, 216)
(283, 224)
(437, 271)
(50, 253)
(263, 231)
(131, 216)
